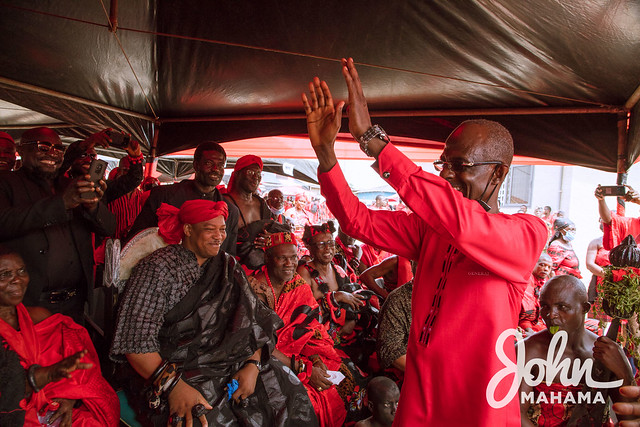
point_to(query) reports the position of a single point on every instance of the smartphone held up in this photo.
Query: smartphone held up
(613, 190)
(118, 139)
(96, 172)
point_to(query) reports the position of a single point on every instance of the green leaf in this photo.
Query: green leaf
(554, 329)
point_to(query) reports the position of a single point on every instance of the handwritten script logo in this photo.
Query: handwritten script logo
(547, 369)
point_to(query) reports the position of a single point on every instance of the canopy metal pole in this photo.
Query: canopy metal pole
(152, 160)
(622, 165)
(633, 99)
(67, 97)
(413, 113)
(113, 16)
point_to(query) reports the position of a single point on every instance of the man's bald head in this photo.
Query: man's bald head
(497, 143)
(378, 387)
(544, 257)
(566, 283)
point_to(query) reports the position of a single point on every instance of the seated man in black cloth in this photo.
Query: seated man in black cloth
(209, 161)
(190, 323)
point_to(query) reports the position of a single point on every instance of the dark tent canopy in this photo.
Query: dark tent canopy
(562, 75)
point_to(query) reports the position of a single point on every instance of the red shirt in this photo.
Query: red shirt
(473, 268)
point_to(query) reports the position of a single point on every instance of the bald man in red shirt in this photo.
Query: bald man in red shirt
(473, 262)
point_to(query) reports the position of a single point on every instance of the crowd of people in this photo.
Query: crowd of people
(261, 311)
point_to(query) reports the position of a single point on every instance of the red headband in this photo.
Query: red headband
(172, 219)
(277, 239)
(247, 160)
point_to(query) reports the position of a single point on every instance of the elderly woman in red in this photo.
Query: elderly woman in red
(346, 309)
(561, 251)
(61, 368)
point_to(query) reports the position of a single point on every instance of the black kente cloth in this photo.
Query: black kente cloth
(12, 387)
(213, 330)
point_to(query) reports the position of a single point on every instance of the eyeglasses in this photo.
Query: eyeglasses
(45, 146)
(251, 172)
(328, 243)
(85, 155)
(458, 166)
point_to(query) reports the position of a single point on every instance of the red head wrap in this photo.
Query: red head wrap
(171, 219)
(277, 239)
(243, 162)
(301, 196)
(246, 161)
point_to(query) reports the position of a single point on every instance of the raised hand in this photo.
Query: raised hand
(133, 149)
(323, 121)
(359, 118)
(632, 195)
(100, 138)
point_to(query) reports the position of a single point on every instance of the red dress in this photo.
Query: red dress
(565, 261)
(473, 268)
(49, 342)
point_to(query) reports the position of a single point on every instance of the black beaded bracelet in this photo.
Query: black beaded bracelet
(32, 379)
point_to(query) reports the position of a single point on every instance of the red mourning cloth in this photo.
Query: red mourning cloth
(619, 228)
(371, 256)
(172, 219)
(404, 271)
(303, 336)
(277, 239)
(49, 342)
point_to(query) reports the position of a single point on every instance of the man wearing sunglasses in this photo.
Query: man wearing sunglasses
(473, 262)
(48, 222)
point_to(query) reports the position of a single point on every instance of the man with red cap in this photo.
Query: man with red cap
(7, 152)
(303, 342)
(209, 161)
(46, 220)
(255, 215)
(190, 324)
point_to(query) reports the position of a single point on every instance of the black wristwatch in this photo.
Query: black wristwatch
(253, 362)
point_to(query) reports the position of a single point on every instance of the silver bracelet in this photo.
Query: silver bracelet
(374, 131)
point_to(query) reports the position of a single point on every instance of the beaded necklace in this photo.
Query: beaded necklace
(273, 291)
